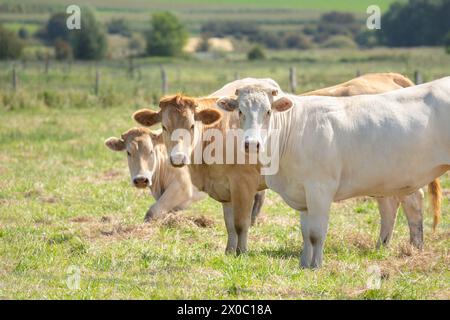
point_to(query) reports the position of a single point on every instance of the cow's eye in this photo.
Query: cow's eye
(128, 153)
(269, 113)
(192, 127)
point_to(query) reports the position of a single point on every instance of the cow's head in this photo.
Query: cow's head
(139, 145)
(180, 118)
(255, 104)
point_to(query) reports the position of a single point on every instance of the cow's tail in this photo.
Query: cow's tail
(402, 80)
(435, 192)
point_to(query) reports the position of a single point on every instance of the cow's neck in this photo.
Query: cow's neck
(161, 173)
(284, 123)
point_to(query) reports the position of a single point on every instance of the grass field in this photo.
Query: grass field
(67, 209)
(66, 206)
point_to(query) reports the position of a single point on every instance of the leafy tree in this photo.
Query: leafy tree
(89, 42)
(56, 27)
(336, 23)
(167, 35)
(10, 44)
(119, 26)
(415, 23)
(256, 53)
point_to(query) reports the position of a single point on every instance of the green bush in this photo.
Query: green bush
(340, 42)
(256, 53)
(367, 39)
(167, 35)
(63, 50)
(10, 44)
(298, 40)
(23, 33)
(88, 43)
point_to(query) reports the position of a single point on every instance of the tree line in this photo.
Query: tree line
(405, 24)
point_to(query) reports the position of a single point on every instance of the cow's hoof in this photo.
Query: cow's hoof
(230, 251)
(150, 216)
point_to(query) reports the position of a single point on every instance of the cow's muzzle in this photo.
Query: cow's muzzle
(179, 160)
(141, 182)
(251, 145)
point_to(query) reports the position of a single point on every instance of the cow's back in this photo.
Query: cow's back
(366, 84)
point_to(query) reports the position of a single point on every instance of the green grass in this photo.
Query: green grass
(66, 86)
(66, 202)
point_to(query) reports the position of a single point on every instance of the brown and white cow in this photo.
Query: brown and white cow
(371, 83)
(234, 185)
(149, 168)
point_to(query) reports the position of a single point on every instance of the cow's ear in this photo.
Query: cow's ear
(147, 117)
(208, 116)
(115, 144)
(228, 104)
(282, 104)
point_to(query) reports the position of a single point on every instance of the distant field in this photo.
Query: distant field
(286, 13)
(323, 5)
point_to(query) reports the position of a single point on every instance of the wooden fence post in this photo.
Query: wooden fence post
(14, 78)
(164, 83)
(131, 66)
(47, 64)
(417, 77)
(293, 79)
(97, 82)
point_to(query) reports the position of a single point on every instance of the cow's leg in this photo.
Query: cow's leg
(307, 252)
(173, 197)
(229, 224)
(257, 205)
(242, 198)
(413, 207)
(388, 208)
(315, 223)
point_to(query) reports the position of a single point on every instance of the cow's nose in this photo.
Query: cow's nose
(178, 160)
(141, 182)
(251, 146)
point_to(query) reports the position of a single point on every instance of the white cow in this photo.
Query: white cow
(332, 149)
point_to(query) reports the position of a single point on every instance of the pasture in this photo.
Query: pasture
(71, 226)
